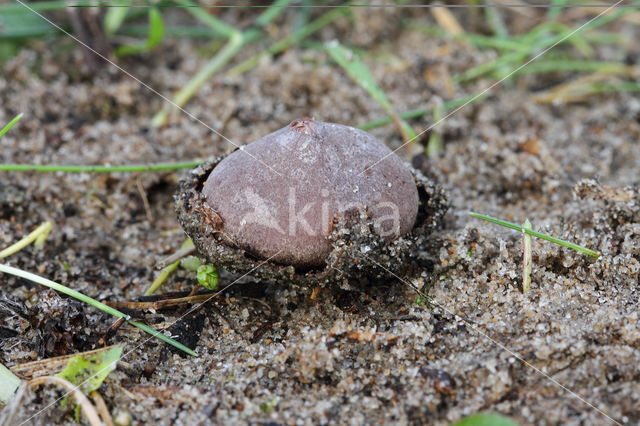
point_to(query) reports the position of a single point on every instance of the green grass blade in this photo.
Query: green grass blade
(42, 6)
(272, 12)
(537, 234)
(62, 289)
(358, 71)
(205, 17)
(156, 34)
(417, 113)
(290, 40)
(486, 419)
(303, 14)
(89, 371)
(12, 123)
(161, 336)
(491, 66)
(90, 301)
(115, 16)
(554, 12)
(48, 168)
(184, 31)
(493, 42)
(23, 23)
(535, 40)
(229, 51)
(496, 22)
(9, 382)
(414, 113)
(621, 86)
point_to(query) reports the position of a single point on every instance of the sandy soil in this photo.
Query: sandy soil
(270, 353)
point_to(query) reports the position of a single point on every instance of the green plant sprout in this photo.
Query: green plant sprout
(87, 372)
(268, 406)
(208, 276)
(90, 301)
(38, 236)
(531, 232)
(12, 123)
(526, 257)
(166, 271)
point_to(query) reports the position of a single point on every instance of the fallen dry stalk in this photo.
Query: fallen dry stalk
(83, 401)
(160, 303)
(44, 367)
(577, 90)
(102, 408)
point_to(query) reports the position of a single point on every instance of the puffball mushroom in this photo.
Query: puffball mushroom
(317, 172)
(307, 204)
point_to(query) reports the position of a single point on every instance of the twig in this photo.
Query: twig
(159, 304)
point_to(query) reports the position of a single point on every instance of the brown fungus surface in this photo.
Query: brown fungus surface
(330, 194)
(278, 196)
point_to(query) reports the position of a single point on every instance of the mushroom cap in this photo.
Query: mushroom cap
(318, 172)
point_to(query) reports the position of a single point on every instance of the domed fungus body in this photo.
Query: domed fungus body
(317, 173)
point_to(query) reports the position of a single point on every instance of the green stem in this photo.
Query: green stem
(86, 299)
(43, 229)
(546, 237)
(6, 128)
(159, 167)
